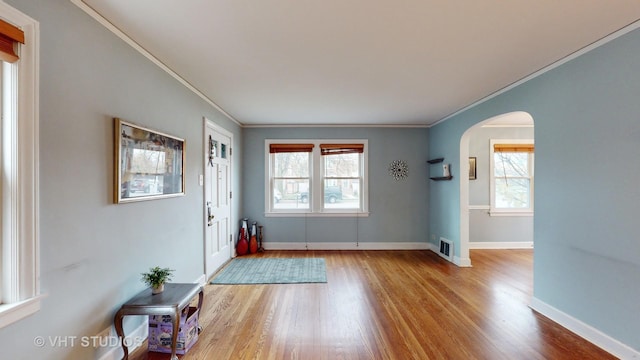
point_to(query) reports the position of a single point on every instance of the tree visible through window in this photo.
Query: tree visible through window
(342, 181)
(291, 178)
(512, 177)
(316, 176)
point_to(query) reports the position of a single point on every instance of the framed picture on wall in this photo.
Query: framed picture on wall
(148, 164)
(472, 168)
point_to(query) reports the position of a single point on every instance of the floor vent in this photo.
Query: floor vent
(446, 249)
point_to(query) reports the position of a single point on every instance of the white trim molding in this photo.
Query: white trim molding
(594, 45)
(394, 126)
(507, 126)
(119, 33)
(16, 311)
(318, 214)
(457, 260)
(462, 262)
(585, 331)
(346, 246)
(480, 207)
(115, 352)
(202, 280)
(20, 279)
(501, 245)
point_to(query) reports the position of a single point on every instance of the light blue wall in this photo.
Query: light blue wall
(587, 257)
(444, 196)
(398, 208)
(484, 228)
(93, 251)
(587, 126)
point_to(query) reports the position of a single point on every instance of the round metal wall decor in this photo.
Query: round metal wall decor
(399, 170)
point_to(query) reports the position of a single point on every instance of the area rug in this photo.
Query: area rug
(273, 271)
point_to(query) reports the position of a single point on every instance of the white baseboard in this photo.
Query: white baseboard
(460, 262)
(202, 280)
(585, 331)
(363, 246)
(433, 247)
(138, 335)
(501, 245)
(346, 246)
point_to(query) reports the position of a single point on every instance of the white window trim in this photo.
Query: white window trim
(493, 211)
(20, 239)
(315, 206)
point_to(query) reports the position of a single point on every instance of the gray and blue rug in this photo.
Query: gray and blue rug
(273, 271)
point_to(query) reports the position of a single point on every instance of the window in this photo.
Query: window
(19, 261)
(511, 177)
(316, 177)
(290, 179)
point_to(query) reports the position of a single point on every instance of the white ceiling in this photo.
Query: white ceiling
(359, 62)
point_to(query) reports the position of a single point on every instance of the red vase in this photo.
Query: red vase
(243, 245)
(253, 241)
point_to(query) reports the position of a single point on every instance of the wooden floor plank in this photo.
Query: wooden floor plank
(386, 305)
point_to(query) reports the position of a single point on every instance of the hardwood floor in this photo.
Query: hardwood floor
(387, 305)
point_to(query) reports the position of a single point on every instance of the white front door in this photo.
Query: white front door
(217, 196)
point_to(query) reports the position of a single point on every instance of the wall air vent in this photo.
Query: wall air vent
(446, 249)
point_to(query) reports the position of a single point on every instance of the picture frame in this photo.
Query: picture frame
(148, 164)
(472, 168)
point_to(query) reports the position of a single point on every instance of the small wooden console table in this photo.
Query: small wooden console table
(171, 301)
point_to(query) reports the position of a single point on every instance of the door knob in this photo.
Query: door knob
(209, 215)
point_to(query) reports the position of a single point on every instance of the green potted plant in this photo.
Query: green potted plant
(156, 277)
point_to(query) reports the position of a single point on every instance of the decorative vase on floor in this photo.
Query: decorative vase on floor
(253, 241)
(242, 248)
(260, 248)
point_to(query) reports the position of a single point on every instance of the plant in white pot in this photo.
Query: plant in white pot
(156, 277)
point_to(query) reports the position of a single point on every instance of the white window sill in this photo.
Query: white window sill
(321, 214)
(510, 213)
(11, 313)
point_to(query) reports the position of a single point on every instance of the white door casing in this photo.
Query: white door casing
(217, 197)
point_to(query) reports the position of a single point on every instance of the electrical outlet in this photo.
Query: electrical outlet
(433, 237)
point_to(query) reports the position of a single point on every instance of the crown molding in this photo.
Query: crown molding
(614, 35)
(335, 126)
(119, 33)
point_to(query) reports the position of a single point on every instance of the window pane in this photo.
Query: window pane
(310, 181)
(341, 194)
(291, 194)
(512, 193)
(344, 165)
(511, 164)
(293, 164)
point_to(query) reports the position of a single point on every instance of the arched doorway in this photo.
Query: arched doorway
(512, 119)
